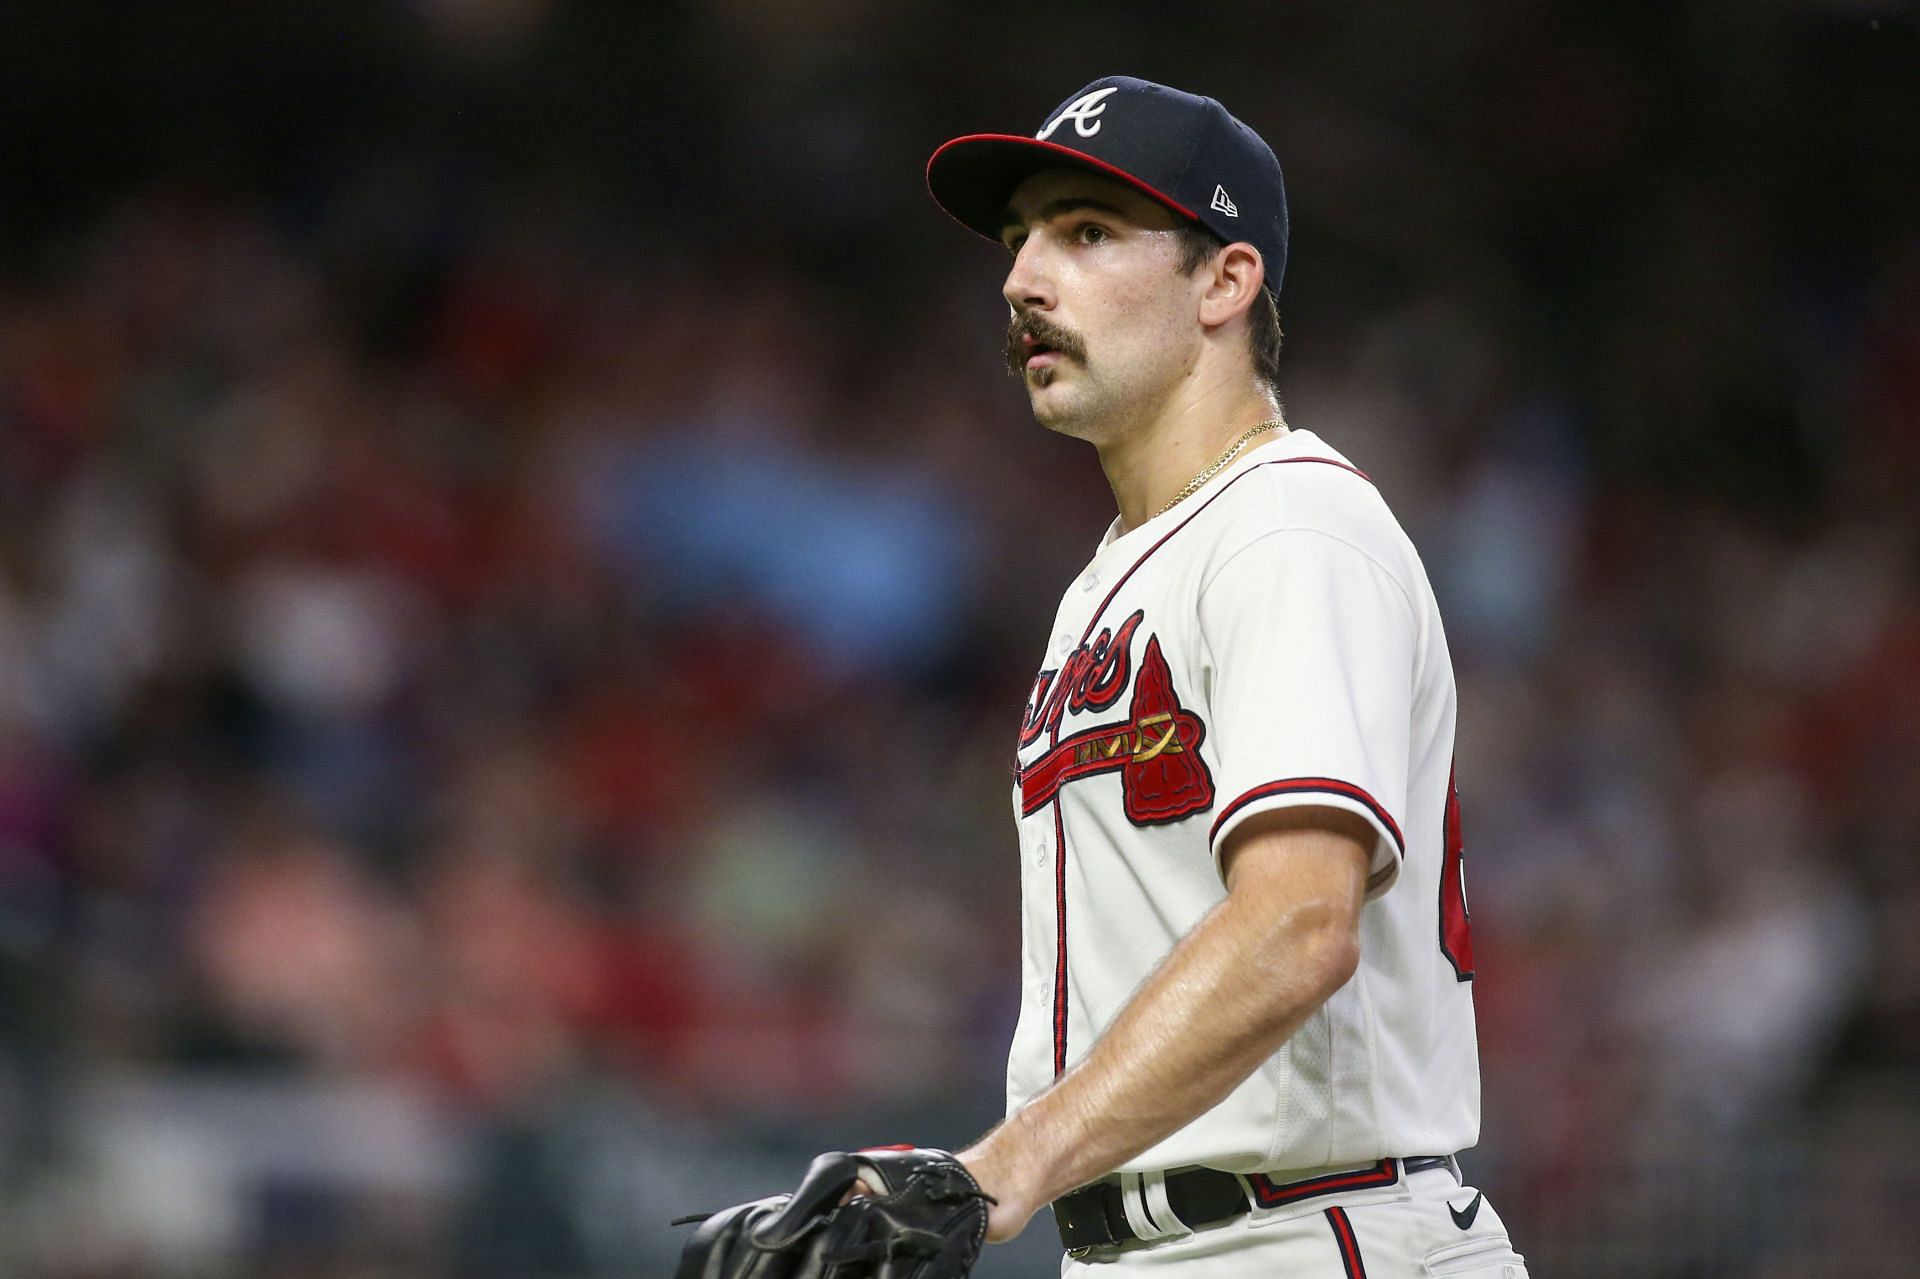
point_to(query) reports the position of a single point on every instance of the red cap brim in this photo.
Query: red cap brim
(973, 177)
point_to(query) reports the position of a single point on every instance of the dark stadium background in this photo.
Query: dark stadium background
(518, 569)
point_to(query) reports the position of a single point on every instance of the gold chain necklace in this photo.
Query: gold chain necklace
(1193, 485)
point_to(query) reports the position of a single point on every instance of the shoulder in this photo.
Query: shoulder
(1305, 487)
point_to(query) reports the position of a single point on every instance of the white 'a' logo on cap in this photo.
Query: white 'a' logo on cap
(1084, 111)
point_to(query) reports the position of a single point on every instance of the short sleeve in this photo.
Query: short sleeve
(1311, 646)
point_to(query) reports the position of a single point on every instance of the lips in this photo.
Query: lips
(1039, 354)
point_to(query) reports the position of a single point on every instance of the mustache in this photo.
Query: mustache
(1031, 324)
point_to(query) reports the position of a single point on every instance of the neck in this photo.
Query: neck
(1148, 465)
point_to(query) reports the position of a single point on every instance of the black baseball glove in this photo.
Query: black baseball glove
(926, 1218)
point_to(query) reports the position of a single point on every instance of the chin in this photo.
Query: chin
(1070, 400)
(1058, 412)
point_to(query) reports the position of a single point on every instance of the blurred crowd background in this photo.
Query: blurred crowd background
(519, 567)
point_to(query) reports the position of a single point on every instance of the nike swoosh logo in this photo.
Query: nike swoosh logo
(1463, 1217)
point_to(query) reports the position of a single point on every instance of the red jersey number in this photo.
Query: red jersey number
(1456, 930)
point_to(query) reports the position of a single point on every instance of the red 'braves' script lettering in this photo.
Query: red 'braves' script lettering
(1092, 678)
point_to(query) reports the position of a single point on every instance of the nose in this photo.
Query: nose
(1029, 285)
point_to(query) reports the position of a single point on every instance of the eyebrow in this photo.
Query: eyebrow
(1054, 208)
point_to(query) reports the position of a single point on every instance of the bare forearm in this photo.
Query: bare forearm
(1224, 1000)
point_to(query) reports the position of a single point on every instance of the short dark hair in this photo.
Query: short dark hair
(1198, 245)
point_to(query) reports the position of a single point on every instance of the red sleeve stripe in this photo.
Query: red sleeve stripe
(1271, 1195)
(1348, 1243)
(1317, 786)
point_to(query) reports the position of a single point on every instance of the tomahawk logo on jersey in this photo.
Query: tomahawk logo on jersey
(1272, 641)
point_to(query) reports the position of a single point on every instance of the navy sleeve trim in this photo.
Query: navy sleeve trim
(1312, 785)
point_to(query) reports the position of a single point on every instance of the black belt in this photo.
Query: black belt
(1096, 1215)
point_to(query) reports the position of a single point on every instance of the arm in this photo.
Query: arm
(1225, 999)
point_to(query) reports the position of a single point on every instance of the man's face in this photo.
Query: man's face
(1103, 322)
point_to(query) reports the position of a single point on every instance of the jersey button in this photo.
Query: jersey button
(1090, 581)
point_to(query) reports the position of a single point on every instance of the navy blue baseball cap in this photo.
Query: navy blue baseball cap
(1187, 152)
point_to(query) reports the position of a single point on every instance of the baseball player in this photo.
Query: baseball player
(1246, 1042)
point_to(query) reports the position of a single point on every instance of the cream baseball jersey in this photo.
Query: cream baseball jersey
(1270, 641)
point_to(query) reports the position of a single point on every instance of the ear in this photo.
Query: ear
(1233, 281)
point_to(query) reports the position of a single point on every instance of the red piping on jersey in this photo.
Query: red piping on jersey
(1455, 944)
(1060, 927)
(1312, 785)
(1348, 1242)
(1270, 1195)
(1059, 825)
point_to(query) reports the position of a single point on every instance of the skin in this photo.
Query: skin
(1162, 380)
(1157, 377)
(1227, 996)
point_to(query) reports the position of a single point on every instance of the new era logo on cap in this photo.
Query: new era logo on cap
(1177, 148)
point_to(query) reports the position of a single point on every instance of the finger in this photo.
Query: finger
(860, 1187)
(825, 1186)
